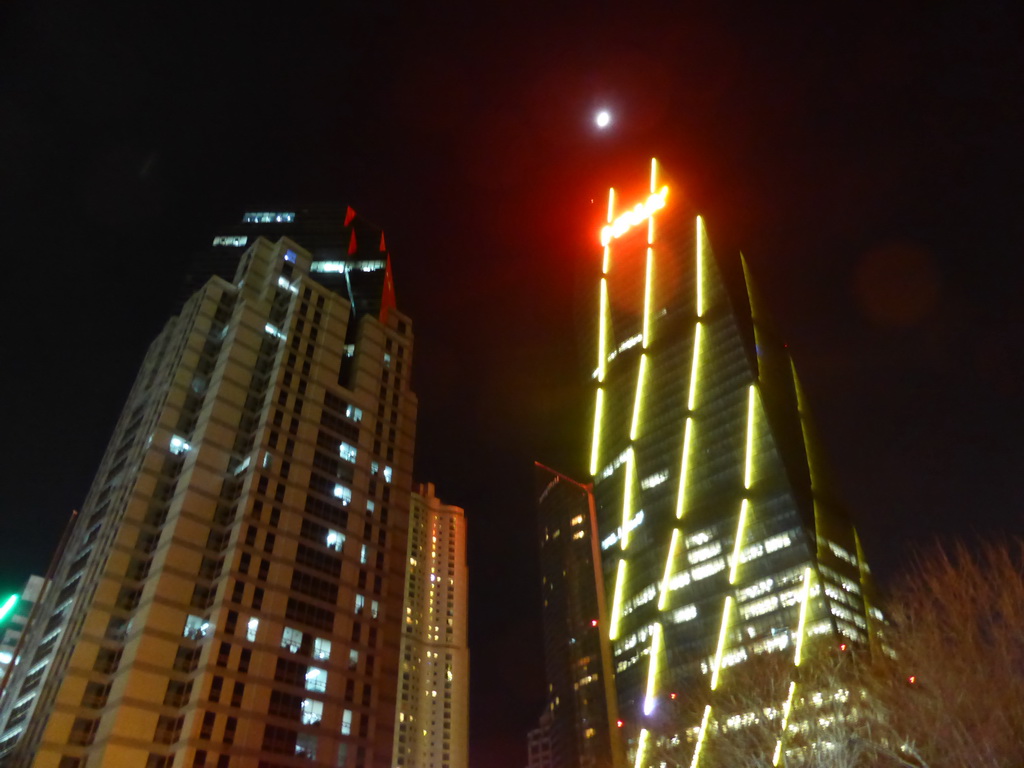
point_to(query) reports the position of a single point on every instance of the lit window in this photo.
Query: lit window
(305, 744)
(179, 445)
(387, 360)
(321, 648)
(347, 452)
(343, 493)
(362, 554)
(196, 627)
(374, 467)
(335, 540)
(312, 712)
(360, 602)
(353, 659)
(250, 629)
(316, 679)
(374, 609)
(282, 282)
(268, 217)
(346, 722)
(387, 474)
(291, 639)
(356, 414)
(274, 331)
(370, 507)
(232, 240)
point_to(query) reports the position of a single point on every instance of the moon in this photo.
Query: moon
(603, 119)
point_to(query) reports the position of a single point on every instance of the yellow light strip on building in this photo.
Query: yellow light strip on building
(692, 399)
(654, 175)
(669, 563)
(627, 501)
(700, 268)
(641, 749)
(749, 467)
(700, 736)
(684, 468)
(620, 578)
(648, 283)
(638, 400)
(602, 333)
(787, 708)
(803, 617)
(595, 447)
(722, 634)
(652, 670)
(737, 546)
(607, 246)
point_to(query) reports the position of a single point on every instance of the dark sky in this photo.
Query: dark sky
(867, 160)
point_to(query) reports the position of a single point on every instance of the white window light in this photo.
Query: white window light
(316, 679)
(370, 507)
(387, 359)
(321, 648)
(291, 639)
(235, 241)
(335, 540)
(353, 659)
(348, 452)
(282, 282)
(346, 722)
(374, 609)
(196, 627)
(374, 467)
(360, 602)
(362, 553)
(250, 629)
(179, 445)
(268, 217)
(344, 493)
(387, 474)
(274, 331)
(312, 711)
(356, 414)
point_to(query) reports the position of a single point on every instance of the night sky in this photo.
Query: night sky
(868, 160)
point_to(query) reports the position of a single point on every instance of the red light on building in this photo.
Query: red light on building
(593, 622)
(842, 647)
(912, 679)
(619, 723)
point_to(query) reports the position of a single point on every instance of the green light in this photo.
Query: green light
(803, 617)
(748, 469)
(648, 283)
(700, 268)
(669, 562)
(692, 401)
(637, 402)
(602, 336)
(598, 407)
(620, 578)
(627, 500)
(738, 544)
(700, 736)
(8, 606)
(722, 634)
(681, 497)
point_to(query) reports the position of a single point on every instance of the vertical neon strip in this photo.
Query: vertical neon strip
(669, 563)
(700, 268)
(749, 468)
(652, 670)
(641, 749)
(700, 736)
(595, 446)
(777, 757)
(620, 578)
(602, 334)
(681, 497)
(692, 399)
(737, 546)
(627, 501)
(654, 175)
(638, 400)
(611, 216)
(722, 633)
(648, 283)
(803, 617)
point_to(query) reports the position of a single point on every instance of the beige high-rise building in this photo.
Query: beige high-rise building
(433, 691)
(231, 594)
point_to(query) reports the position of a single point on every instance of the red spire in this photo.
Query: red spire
(349, 215)
(383, 248)
(352, 242)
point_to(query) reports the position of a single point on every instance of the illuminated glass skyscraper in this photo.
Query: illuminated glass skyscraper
(720, 536)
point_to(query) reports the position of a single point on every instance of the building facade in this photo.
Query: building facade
(721, 537)
(231, 594)
(433, 691)
(15, 615)
(577, 653)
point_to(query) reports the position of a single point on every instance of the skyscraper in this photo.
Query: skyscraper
(210, 607)
(721, 536)
(433, 691)
(577, 654)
